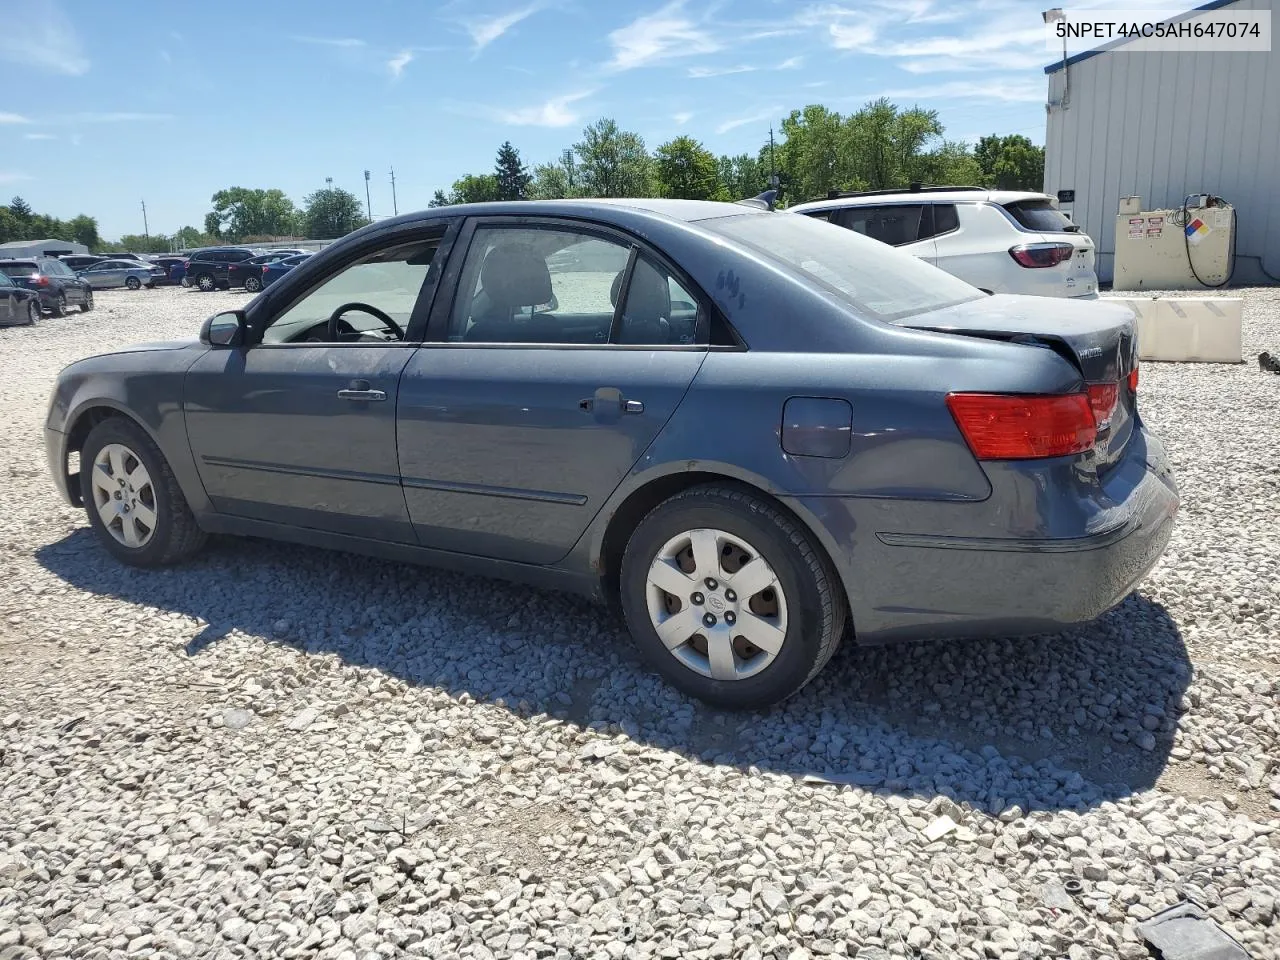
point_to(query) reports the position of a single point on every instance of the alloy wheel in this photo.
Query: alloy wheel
(205, 282)
(124, 495)
(716, 604)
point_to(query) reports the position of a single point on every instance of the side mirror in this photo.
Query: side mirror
(224, 329)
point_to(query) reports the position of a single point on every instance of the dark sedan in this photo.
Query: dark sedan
(274, 271)
(757, 433)
(18, 305)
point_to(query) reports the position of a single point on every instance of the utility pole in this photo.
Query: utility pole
(773, 167)
(395, 207)
(328, 183)
(146, 232)
(368, 204)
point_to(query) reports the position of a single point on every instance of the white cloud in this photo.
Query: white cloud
(680, 119)
(485, 30)
(846, 29)
(791, 63)
(38, 136)
(758, 117)
(12, 176)
(13, 118)
(665, 34)
(397, 63)
(701, 72)
(42, 37)
(1021, 90)
(555, 112)
(347, 42)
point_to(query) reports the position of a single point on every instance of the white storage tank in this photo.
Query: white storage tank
(1185, 248)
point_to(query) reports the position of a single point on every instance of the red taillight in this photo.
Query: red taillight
(264, 269)
(1133, 380)
(1041, 254)
(39, 279)
(1102, 401)
(1004, 427)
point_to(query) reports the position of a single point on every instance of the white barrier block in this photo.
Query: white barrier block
(1187, 329)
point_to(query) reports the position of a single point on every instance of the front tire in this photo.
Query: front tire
(205, 283)
(60, 305)
(133, 283)
(134, 503)
(88, 302)
(729, 598)
(33, 312)
(252, 284)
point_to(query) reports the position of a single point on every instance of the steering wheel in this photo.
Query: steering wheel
(363, 308)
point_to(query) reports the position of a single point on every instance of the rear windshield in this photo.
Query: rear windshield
(874, 278)
(1040, 216)
(18, 269)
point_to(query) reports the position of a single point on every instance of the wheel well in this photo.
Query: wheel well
(634, 509)
(86, 421)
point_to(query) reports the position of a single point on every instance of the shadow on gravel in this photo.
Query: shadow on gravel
(1053, 722)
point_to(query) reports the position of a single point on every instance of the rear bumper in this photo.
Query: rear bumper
(916, 585)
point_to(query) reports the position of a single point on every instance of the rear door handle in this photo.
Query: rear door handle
(359, 390)
(632, 406)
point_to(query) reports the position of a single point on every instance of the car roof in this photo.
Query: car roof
(933, 196)
(689, 211)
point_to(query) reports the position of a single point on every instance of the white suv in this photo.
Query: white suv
(1001, 241)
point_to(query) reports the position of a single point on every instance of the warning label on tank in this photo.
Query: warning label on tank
(1155, 226)
(1136, 228)
(1197, 230)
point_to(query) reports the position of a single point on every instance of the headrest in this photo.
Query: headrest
(515, 276)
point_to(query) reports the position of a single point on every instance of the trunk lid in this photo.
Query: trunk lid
(1096, 337)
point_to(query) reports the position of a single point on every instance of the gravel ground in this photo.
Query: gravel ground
(283, 752)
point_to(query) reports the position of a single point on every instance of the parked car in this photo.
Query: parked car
(78, 261)
(209, 269)
(18, 305)
(175, 268)
(750, 430)
(274, 271)
(137, 257)
(122, 273)
(1001, 241)
(248, 273)
(55, 283)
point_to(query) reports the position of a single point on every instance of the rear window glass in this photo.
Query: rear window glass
(875, 279)
(1041, 216)
(18, 269)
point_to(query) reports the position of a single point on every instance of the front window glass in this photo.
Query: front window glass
(390, 282)
(875, 279)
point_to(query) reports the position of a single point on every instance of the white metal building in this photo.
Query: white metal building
(20, 249)
(1165, 125)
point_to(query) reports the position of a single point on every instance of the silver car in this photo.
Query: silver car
(121, 273)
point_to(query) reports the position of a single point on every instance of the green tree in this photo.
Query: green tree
(512, 175)
(686, 170)
(816, 154)
(84, 230)
(1010, 163)
(192, 237)
(742, 176)
(556, 180)
(10, 226)
(475, 188)
(331, 213)
(439, 199)
(241, 212)
(20, 209)
(613, 162)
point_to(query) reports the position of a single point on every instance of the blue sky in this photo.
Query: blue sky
(106, 106)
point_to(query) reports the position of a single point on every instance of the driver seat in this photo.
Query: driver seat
(512, 276)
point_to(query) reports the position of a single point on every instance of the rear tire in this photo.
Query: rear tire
(59, 305)
(205, 283)
(252, 284)
(133, 283)
(796, 607)
(169, 533)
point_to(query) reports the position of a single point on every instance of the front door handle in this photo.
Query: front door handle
(359, 390)
(609, 401)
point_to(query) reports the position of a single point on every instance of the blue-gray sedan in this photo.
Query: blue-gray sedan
(756, 433)
(122, 273)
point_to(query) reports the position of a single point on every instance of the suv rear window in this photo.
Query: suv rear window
(19, 268)
(1040, 216)
(875, 280)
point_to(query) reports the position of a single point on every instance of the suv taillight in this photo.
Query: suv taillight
(1012, 427)
(39, 279)
(1041, 254)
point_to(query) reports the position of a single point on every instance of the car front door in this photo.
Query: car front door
(299, 427)
(560, 355)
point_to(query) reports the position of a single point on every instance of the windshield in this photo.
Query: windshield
(874, 278)
(1041, 216)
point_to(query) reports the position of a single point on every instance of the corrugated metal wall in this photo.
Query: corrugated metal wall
(1162, 125)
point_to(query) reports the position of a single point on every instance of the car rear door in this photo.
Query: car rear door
(525, 410)
(907, 226)
(300, 427)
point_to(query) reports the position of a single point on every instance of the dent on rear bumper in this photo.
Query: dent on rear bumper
(912, 584)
